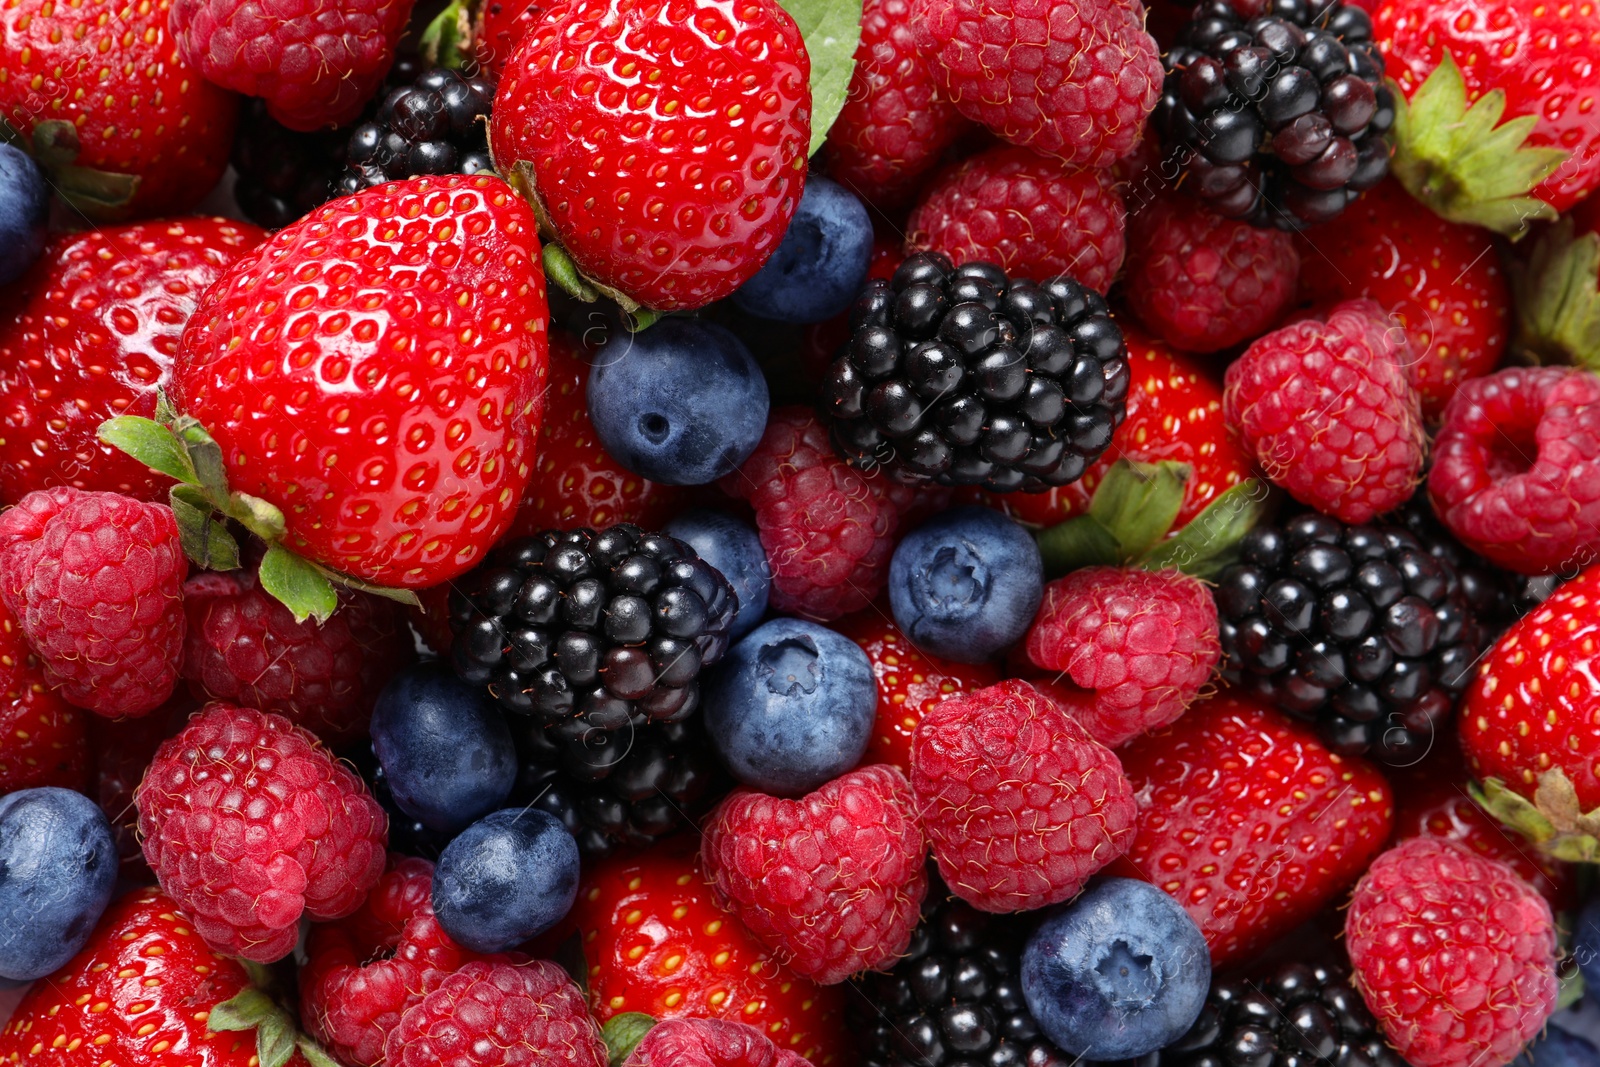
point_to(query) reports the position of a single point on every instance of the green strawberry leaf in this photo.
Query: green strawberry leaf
(1081, 541)
(205, 455)
(1558, 298)
(832, 30)
(565, 275)
(55, 143)
(259, 516)
(313, 1053)
(1210, 541)
(447, 41)
(622, 1034)
(300, 584)
(206, 540)
(1571, 989)
(246, 1011)
(1137, 503)
(150, 443)
(389, 592)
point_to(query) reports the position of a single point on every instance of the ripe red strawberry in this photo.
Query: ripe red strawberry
(1440, 281)
(499, 28)
(122, 122)
(709, 1043)
(656, 942)
(93, 333)
(43, 739)
(390, 394)
(314, 63)
(145, 991)
(669, 175)
(1249, 822)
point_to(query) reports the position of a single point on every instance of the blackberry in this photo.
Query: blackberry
(1280, 120)
(283, 174)
(963, 376)
(1357, 628)
(435, 124)
(637, 788)
(591, 632)
(955, 998)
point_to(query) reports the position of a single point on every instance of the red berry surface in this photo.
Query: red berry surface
(709, 1043)
(249, 823)
(500, 27)
(43, 739)
(1020, 805)
(666, 142)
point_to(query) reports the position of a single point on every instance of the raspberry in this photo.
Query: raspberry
(245, 647)
(828, 535)
(1203, 282)
(833, 882)
(499, 1015)
(1075, 79)
(43, 739)
(95, 580)
(1328, 410)
(249, 823)
(895, 124)
(709, 1043)
(314, 63)
(1033, 215)
(1516, 468)
(1020, 804)
(1453, 952)
(1144, 641)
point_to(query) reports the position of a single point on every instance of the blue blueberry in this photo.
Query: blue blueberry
(818, 270)
(444, 747)
(58, 866)
(734, 548)
(966, 584)
(506, 878)
(682, 403)
(791, 706)
(1118, 973)
(24, 213)
(1558, 1048)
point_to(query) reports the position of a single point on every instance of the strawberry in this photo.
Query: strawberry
(656, 942)
(43, 739)
(122, 123)
(1249, 822)
(499, 27)
(664, 144)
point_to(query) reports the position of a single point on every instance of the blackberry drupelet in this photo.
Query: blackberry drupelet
(637, 788)
(1357, 628)
(591, 632)
(436, 124)
(963, 376)
(955, 998)
(283, 174)
(1280, 120)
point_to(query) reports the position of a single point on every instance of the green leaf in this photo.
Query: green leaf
(100, 194)
(150, 443)
(313, 1053)
(205, 455)
(1079, 542)
(55, 143)
(205, 539)
(1137, 503)
(1558, 298)
(299, 584)
(350, 581)
(832, 29)
(1210, 540)
(447, 41)
(1571, 989)
(246, 1011)
(1463, 161)
(260, 517)
(565, 275)
(275, 1040)
(622, 1033)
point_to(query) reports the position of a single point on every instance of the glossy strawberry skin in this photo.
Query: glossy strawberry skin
(390, 385)
(93, 333)
(667, 142)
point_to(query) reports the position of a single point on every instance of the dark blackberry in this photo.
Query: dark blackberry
(435, 124)
(955, 998)
(1280, 120)
(283, 174)
(638, 787)
(963, 376)
(591, 633)
(1357, 628)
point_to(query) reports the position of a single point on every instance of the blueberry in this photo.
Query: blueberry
(1118, 973)
(682, 403)
(791, 707)
(1586, 947)
(24, 211)
(734, 548)
(1559, 1048)
(819, 268)
(445, 750)
(506, 878)
(966, 584)
(58, 866)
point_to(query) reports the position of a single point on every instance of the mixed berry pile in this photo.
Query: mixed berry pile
(799, 533)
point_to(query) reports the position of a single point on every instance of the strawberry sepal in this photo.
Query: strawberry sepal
(447, 40)
(277, 1036)
(622, 1034)
(1558, 298)
(102, 195)
(1552, 820)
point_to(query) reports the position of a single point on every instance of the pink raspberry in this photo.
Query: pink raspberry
(1329, 412)
(1072, 78)
(827, 532)
(1516, 468)
(491, 1014)
(1454, 953)
(1020, 804)
(833, 882)
(1144, 641)
(1203, 282)
(709, 1043)
(95, 580)
(315, 62)
(1033, 215)
(249, 823)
